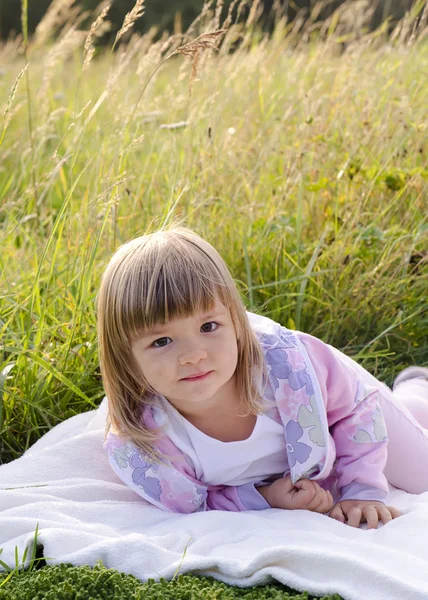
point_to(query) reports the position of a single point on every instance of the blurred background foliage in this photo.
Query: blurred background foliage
(176, 16)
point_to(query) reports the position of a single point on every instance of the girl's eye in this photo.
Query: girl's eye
(210, 323)
(160, 340)
(162, 345)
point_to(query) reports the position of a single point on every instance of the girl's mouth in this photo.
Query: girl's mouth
(197, 377)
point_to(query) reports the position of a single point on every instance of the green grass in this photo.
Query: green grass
(40, 581)
(303, 161)
(68, 582)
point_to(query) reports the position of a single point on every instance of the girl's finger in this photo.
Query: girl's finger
(371, 516)
(305, 484)
(354, 516)
(326, 502)
(394, 512)
(385, 513)
(337, 514)
(305, 490)
(318, 504)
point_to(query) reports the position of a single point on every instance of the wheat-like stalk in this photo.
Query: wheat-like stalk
(195, 47)
(89, 49)
(7, 115)
(205, 40)
(13, 91)
(129, 20)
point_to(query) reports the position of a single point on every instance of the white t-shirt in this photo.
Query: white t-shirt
(253, 460)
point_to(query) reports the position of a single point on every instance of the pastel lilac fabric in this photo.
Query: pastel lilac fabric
(333, 427)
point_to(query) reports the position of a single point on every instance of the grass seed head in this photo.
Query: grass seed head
(130, 19)
(196, 46)
(89, 49)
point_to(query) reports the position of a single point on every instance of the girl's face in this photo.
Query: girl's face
(201, 343)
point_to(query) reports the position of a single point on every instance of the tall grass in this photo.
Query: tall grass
(302, 157)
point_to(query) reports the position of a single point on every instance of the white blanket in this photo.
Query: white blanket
(65, 484)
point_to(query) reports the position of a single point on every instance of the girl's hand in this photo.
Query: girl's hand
(366, 511)
(304, 494)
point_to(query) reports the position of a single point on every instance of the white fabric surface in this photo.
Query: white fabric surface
(86, 513)
(255, 459)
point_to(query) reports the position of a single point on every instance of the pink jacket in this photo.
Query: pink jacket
(333, 426)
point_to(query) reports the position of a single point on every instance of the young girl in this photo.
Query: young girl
(213, 407)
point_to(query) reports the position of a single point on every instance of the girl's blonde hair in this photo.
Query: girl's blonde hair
(151, 279)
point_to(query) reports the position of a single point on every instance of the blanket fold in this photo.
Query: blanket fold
(65, 484)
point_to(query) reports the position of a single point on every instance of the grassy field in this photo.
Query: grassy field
(301, 157)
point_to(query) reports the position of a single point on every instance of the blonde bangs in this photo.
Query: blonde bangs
(172, 281)
(172, 273)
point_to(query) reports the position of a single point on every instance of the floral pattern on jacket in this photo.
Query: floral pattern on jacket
(322, 431)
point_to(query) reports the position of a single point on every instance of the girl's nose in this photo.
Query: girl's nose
(192, 356)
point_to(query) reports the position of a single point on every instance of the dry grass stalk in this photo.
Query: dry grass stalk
(194, 49)
(148, 58)
(152, 52)
(146, 44)
(316, 10)
(134, 142)
(89, 49)
(7, 115)
(279, 11)
(422, 27)
(170, 41)
(13, 91)
(205, 9)
(419, 23)
(80, 114)
(60, 51)
(56, 14)
(205, 40)
(241, 7)
(75, 18)
(253, 13)
(401, 30)
(217, 15)
(124, 60)
(129, 20)
(228, 20)
(10, 48)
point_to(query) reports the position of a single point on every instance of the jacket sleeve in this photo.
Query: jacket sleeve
(355, 422)
(172, 489)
